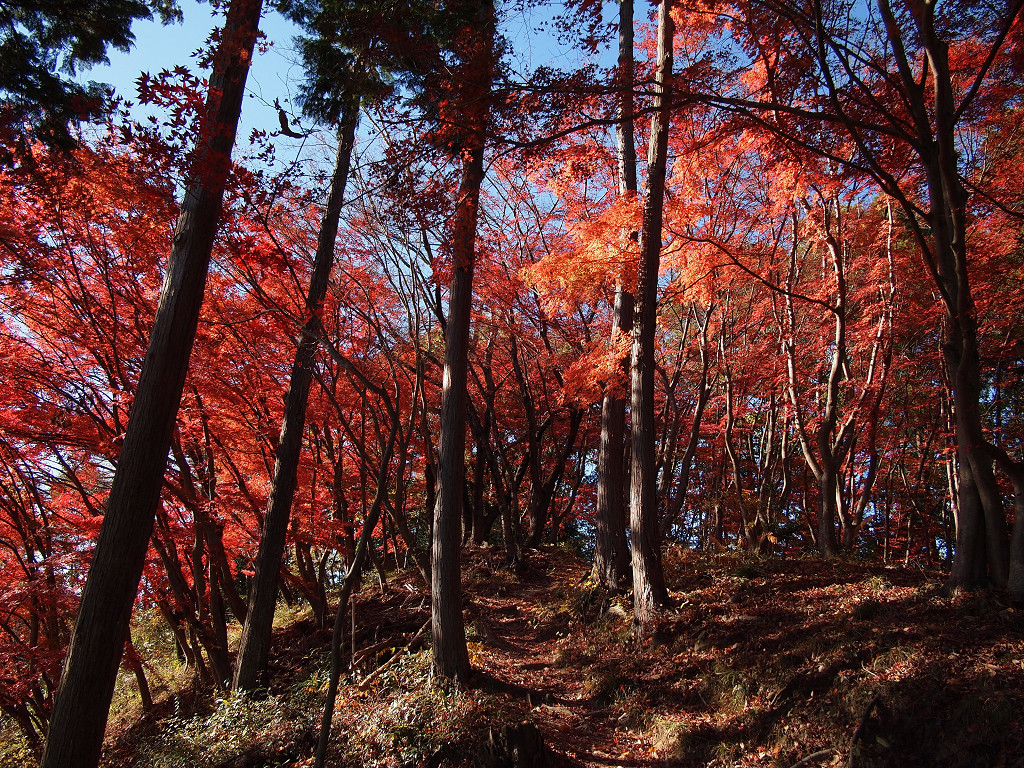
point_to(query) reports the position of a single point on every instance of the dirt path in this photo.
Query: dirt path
(760, 664)
(527, 642)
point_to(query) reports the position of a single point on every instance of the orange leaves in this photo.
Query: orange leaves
(597, 253)
(697, 267)
(598, 371)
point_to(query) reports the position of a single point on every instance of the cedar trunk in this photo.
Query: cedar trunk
(649, 592)
(75, 738)
(254, 648)
(450, 655)
(611, 551)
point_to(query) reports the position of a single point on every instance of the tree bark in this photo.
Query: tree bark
(982, 552)
(449, 652)
(649, 591)
(541, 497)
(134, 663)
(75, 738)
(611, 551)
(254, 647)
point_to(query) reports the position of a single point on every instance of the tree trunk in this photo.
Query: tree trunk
(75, 738)
(828, 489)
(611, 551)
(1015, 582)
(133, 661)
(254, 647)
(982, 551)
(703, 395)
(540, 498)
(450, 655)
(649, 592)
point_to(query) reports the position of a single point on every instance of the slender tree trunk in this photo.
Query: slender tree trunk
(75, 738)
(693, 441)
(1015, 583)
(649, 592)
(540, 498)
(259, 620)
(352, 578)
(133, 661)
(450, 655)
(734, 462)
(611, 551)
(828, 488)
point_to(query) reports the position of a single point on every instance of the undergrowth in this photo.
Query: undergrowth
(259, 728)
(405, 718)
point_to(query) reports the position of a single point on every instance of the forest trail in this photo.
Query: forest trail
(760, 663)
(524, 642)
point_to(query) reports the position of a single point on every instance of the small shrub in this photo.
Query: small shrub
(878, 584)
(636, 707)
(238, 724)
(602, 685)
(747, 571)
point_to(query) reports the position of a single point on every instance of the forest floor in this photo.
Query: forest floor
(761, 663)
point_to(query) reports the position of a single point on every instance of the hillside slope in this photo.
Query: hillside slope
(763, 663)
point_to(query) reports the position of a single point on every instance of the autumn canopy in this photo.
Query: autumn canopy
(732, 276)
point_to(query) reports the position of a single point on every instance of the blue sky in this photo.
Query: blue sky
(275, 74)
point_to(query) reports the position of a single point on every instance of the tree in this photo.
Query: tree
(610, 548)
(254, 646)
(891, 91)
(83, 699)
(649, 592)
(450, 656)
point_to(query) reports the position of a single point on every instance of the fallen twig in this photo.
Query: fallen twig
(812, 757)
(407, 649)
(860, 726)
(370, 651)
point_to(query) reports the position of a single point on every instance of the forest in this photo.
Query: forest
(661, 404)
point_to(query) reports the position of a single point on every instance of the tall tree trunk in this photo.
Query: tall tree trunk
(1015, 582)
(75, 738)
(982, 551)
(259, 620)
(649, 592)
(352, 578)
(450, 655)
(611, 551)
